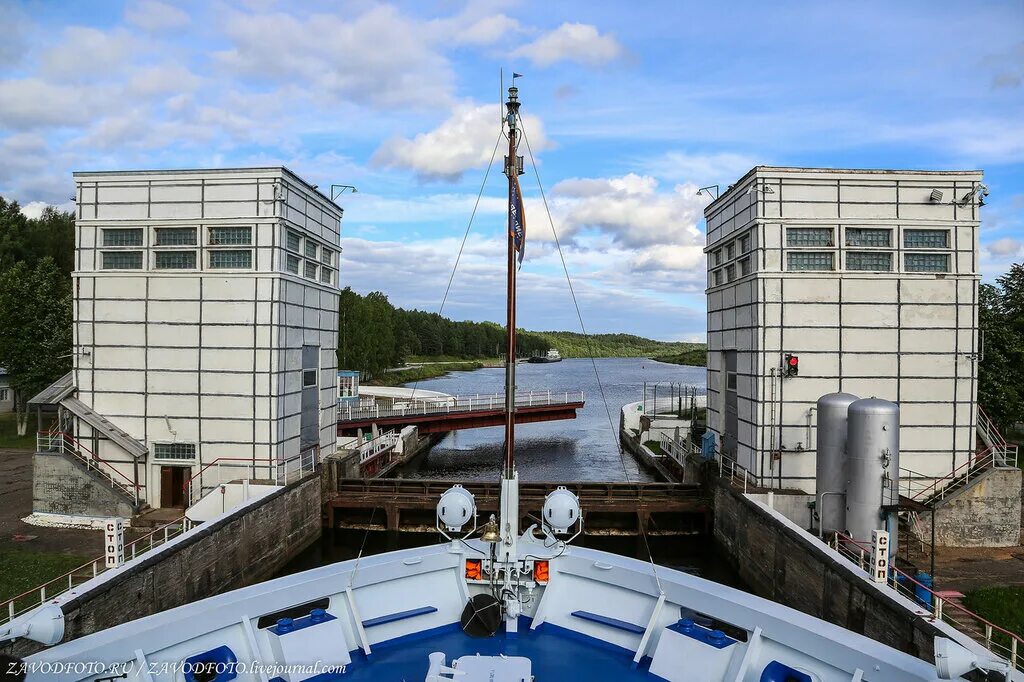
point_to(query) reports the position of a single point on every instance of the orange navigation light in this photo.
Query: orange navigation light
(473, 569)
(540, 571)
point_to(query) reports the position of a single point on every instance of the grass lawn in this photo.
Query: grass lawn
(9, 433)
(23, 569)
(1004, 606)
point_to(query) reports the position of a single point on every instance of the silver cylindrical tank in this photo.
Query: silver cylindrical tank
(872, 467)
(830, 468)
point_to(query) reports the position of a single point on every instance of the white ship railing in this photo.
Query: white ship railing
(999, 641)
(30, 599)
(456, 404)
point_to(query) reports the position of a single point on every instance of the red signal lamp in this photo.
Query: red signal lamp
(792, 367)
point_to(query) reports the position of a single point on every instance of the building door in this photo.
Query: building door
(172, 486)
(731, 410)
(309, 422)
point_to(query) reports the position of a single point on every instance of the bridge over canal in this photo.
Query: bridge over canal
(451, 413)
(409, 505)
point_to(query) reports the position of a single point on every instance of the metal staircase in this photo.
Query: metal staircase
(59, 441)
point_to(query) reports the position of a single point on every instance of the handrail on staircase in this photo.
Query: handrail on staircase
(982, 459)
(67, 439)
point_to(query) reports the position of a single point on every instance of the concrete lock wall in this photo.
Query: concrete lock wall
(986, 513)
(783, 564)
(61, 486)
(240, 549)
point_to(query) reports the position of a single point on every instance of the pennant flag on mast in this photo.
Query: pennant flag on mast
(517, 216)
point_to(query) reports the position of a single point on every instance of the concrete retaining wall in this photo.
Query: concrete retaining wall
(986, 513)
(62, 486)
(244, 547)
(781, 563)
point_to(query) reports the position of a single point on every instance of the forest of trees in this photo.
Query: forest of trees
(375, 336)
(1001, 371)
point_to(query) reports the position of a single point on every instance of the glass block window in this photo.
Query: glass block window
(718, 277)
(926, 262)
(294, 241)
(926, 239)
(869, 260)
(730, 272)
(175, 236)
(745, 243)
(310, 271)
(310, 249)
(174, 450)
(122, 237)
(862, 236)
(122, 260)
(718, 257)
(230, 236)
(175, 260)
(809, 236)
(326, 256)
(809, 260)
(327, 275)
(744, 267)
(730, 250)
(231, 259)
(292, 264)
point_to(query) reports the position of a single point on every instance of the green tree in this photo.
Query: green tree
(1001, 370)
(28, 241)
(35, 329)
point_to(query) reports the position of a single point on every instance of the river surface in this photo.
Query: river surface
(581, 449)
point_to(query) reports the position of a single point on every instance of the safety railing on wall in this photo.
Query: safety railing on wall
(30, 599)
(931, 489)
(1004, 454)
(680, 449)
(736, 473)
(59, 441)
(999, 641)
(381, 443)
(226, 469)
(457, 403)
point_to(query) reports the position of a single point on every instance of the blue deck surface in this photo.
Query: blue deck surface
(555, 654)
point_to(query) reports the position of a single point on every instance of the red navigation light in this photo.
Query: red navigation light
(792, 365)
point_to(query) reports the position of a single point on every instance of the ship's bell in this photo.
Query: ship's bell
(491, 534)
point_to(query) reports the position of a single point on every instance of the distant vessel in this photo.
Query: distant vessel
(551, 356)
(492, 603)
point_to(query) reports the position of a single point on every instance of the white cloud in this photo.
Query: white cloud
(84, 54)
(703, 169)
(463, 141)
(28, 103)
(580, 43)
(155, 16)
(488, 30)
(33, 209)
(1005, 247)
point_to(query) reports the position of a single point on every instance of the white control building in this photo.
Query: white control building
(205, 327)
(870, 279)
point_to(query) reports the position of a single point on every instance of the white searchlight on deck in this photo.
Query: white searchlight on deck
(953, 661)
(455, 509)
(44, 625)
(561, 510)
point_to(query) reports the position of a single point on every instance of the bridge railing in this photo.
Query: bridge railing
(457, 404)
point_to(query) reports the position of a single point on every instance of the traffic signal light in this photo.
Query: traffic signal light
(792, 367)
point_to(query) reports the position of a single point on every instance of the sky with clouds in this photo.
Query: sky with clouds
(629, 108)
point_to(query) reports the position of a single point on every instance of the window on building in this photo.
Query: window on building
(292, 264)
(122, 237)
(718, 277)
(745, 243)
(926, 239)
(869, 260)
(310, 270)
(175, 260)
(4, 396)
(809, 260)
(809, 236)
(730, 381)
(718, 257)
(230, 236)
(730, 250)
(744, 267)
(926, 262)
(730, 272)
(122, 260)
(327, 257)
(235, 258)
(294, 241)
(310, 249)
(327, 276)
(174, 451)
(308, 378)
(862, 236)
(175, 236)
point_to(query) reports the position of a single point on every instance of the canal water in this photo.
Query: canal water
(583, 449)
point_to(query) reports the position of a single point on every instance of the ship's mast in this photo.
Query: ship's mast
(512, 167)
